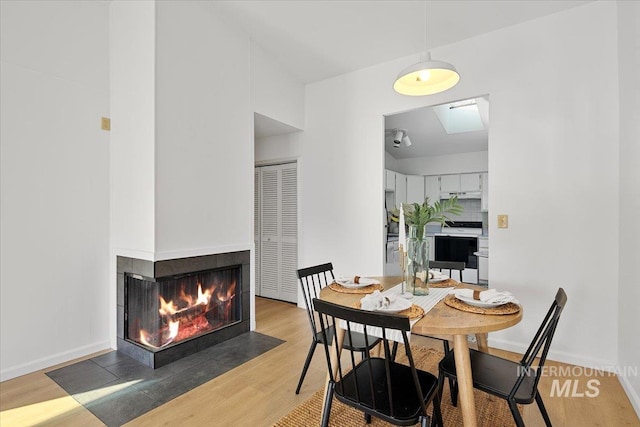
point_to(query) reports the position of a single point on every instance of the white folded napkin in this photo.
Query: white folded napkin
(356, 280)
(376, 301)
(434, 274)
(492, 296)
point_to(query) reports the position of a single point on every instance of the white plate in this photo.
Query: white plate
(349, 283)
(439, 279)
(398, 305)
(480, 304)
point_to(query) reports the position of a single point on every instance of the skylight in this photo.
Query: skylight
(458, 117)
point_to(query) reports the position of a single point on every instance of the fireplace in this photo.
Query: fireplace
(172, 308)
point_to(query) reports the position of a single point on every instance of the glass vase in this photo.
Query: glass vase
(417, 261)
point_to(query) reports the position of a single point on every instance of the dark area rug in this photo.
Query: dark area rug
(117, 388)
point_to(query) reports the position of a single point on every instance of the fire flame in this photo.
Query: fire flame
(203, 298)
(167, 337)
(184, 316)
(169, 308)
(230, 293)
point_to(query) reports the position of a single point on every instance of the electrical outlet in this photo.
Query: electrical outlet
(503, 221)
(105, 123)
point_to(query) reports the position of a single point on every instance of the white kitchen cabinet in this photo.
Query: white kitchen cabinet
(470, 182)
(415, 189)
(389, 180)
(484, 202)
(460, 182)
(483, 270)
(483, 262)
(392, 260)
(401, 189)
(432, 187)
(450, 183)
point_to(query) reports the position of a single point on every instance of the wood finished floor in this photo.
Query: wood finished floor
(261, 391)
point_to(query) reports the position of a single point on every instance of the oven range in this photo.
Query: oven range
(458, 242)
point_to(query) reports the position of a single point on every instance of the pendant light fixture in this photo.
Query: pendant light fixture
(428, 76)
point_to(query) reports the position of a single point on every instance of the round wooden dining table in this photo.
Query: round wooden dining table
(445, 322)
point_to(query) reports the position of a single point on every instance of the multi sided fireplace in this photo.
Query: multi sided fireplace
(170, 309)
(166, 311)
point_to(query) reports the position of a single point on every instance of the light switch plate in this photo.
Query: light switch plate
(503, 221)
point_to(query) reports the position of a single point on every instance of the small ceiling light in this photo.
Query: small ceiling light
(427, 76)
(398, 138)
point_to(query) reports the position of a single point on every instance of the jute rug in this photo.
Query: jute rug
(491, 411)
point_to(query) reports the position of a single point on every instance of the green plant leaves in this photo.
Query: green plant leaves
(439, 211)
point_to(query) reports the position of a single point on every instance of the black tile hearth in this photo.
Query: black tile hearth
(117, 389)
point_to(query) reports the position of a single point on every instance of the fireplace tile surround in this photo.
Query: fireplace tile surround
(164, 268)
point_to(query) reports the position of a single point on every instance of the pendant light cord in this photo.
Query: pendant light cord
(425, 32)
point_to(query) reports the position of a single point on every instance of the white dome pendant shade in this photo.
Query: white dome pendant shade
(426, 78)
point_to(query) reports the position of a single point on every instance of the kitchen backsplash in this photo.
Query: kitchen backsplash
(471, 210)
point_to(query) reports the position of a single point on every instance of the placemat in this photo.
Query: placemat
(366, 290)
(449, 283)
(413, 312)
(508, 308)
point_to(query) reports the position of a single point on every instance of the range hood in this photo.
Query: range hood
(461, 195)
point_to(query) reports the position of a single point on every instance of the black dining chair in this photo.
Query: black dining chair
(451, 266)
(516, 382)
(380, 387)
(313, 280)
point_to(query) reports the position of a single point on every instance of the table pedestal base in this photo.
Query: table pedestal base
(465, 380)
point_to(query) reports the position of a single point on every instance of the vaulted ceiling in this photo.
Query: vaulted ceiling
(316, 40)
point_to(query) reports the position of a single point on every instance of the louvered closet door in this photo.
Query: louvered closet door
(289, 233)
(278, 232)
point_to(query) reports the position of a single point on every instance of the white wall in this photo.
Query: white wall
(275, 93)
(182, 143)
(551, 110)
(204, 132)
(132, 70)
(54, 183)
(182, 140)
(390, 162)
(629, 227)
(440, 165)
(285, 147)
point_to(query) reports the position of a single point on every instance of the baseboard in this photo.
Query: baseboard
(573, 359)
(631, 393)
(46, 362)
(558, 356)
